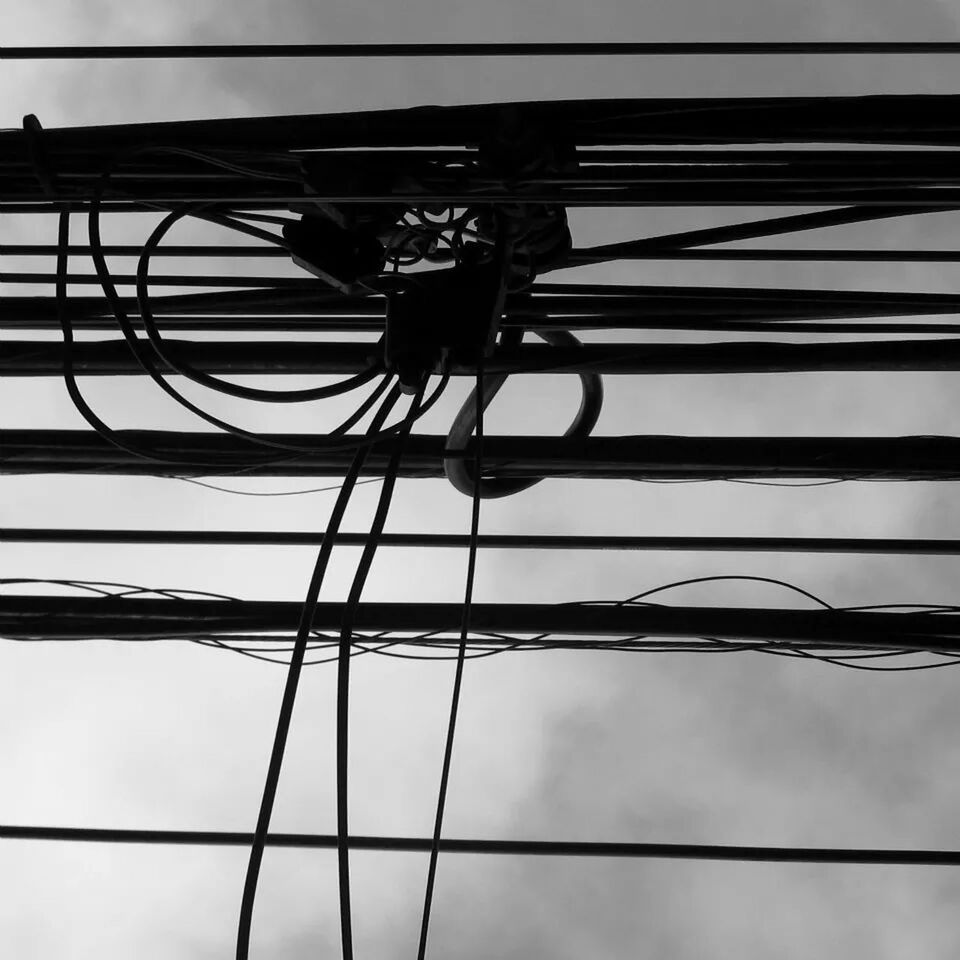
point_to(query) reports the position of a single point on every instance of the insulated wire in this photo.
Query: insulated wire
(293, 678)
(458, 675)
(344, 656)
(204, 379)
(541, 642)
(272, 493)
(143, 357)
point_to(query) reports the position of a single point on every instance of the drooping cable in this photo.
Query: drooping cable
(271, 493)
(205, 379)
(293, 678)
(150, 367)
(113, 299)
(345, 654)
(458, 674)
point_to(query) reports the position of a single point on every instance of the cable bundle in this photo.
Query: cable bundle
(434, 227)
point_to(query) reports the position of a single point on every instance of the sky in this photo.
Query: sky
(572, 746)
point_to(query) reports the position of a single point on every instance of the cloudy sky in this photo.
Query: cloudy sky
(574, 746)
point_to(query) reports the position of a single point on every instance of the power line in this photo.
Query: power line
(825, 255)
(344, 653)
(894, 546)
(367, 188)
(639, 457)
(305, 617)
(465, 620)
(423, 50)
(79, 618)
(541, 848)
(26, 358)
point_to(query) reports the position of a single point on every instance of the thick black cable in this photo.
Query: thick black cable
(116, 306)
(143, 357)
(215, 383)
(458, 470)
(293, 678)
(755, 229)
(825, 255)
(419, 50)
(344, 656)
(233, 389)
(150, 368)
(69, 376)
(458, 674)
(883, 546)
(535, 848)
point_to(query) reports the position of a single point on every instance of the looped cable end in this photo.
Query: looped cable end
(39, 158)
(458, 470)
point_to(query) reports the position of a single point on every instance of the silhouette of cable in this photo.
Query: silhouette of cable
(293, 678)
(272, 493)
(458, 675)
(529, 848)
(150, 367)
(695, 48)
(343, 681)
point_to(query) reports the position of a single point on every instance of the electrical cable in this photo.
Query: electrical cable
(215, 383)
(63, 315)
(343, 682)
(440, 241)
(457, 470)
(692, 851)
(142, 356)
(478, 395)
(271, 493)
(150, 368)
(293, 678)
(697, 48)
(245, 392)
(351, 421)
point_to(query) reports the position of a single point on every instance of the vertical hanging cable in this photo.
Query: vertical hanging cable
(293, 679)
(343, 677)
(458, 675)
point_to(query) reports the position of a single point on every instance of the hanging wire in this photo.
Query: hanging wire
(458, 674)
(343, 683)
(293, 678)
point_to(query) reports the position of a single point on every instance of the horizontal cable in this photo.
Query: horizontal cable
(536, 848)
(82, 618)
(417, 50)
(372, 322)
(166, 280)
(694, 195)
(84, 165)
(612, 306)
(832, 255)
(633, 457)
(28, 358)
(131, 250)
(911, 120)
(526, 541)
(581, 255)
